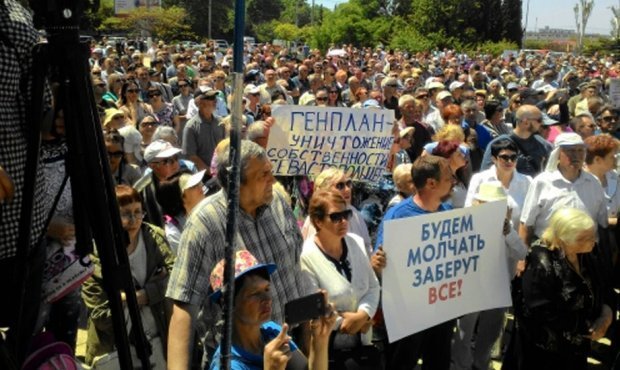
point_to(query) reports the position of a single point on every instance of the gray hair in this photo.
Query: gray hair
(166, 133)
(469, 104)
(256, 130)
(249, 151)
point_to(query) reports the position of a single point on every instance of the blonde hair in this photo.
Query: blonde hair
(450, 133)
(565, 227)
(327, 177)
(402, 175)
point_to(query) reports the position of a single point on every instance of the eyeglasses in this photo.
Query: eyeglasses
(337, 217)
(183, 85)
(148, 123)
(118, 154)
(321, 98)
(609, 118)
(397, 86)
(508, 157)
(131, 217)
(153, 94)
(340, 185)
(118, 117)
(166, 161)
(132, 91)
(333, 92)
(422, 96)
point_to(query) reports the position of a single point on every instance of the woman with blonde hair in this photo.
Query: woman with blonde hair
(335, 179)
(562, 301)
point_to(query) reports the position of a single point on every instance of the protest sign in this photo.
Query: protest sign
(306, 140)
(443, 265)
(614, 92)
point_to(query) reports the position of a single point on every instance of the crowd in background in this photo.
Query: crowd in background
(538, 130)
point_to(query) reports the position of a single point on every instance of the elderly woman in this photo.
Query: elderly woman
(122, 172)
(403, 183)
(337, 261)
(257, 342)
(405, 140)
(177, 196)
(150, 260)
(336, 180)
(561, 304)
(504, 156)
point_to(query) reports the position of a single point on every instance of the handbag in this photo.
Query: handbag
(110, 361)
(346, 351)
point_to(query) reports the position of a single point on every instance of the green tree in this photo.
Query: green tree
(512, 12)
(167, 24)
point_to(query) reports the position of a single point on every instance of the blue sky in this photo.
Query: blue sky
(552, 13)
(559, 14)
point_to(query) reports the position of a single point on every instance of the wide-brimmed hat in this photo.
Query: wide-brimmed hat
(490, 192)
(245, 262)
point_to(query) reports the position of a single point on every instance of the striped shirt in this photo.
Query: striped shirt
(272, 237)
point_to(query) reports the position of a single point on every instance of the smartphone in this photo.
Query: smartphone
(305, 309)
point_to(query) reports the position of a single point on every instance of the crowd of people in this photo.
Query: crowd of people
(537, 131)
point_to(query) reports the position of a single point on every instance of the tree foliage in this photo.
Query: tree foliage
(414, 25)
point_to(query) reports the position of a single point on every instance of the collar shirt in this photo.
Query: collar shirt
(517, 190)
(272, 237)
(550, 191)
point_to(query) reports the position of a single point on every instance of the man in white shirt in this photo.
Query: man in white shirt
(563, 184)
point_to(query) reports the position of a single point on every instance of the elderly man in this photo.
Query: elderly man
(470, 122)
(433, 181)
(533, 149)
(563, 184)
(162, 160)
(270, 87)
(422, 134)
(267, 228)
(203, 132)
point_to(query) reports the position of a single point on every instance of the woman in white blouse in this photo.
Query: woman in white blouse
(504, 155)
(335, 179)
(336, 261)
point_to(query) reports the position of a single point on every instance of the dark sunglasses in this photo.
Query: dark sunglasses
(132, 90)
(340, 185)
(321, 98)
(183, 85)
(118, 154)
(334, 92)
(148, 123)
(337, 217)
(152, 94)
(609, 118)
(508, 158)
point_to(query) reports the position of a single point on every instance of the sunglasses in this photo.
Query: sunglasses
(507, 157)
(148, 123)
(337, 217)
(333, 92)
(166, 161)
(153, 94)
(131, 217)
(132, 90)
(422, 96)
(321, 98)
(609, 118)
(118, 117)
(340, 185)
(118, 154)
(101, 85)
(183, 85)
